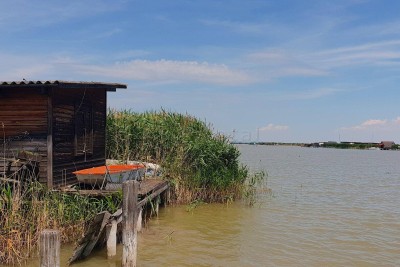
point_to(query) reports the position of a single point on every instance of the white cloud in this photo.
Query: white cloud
(373, 130)
(375, 124)
(397, 121)
(170, 71)
(361, 48)
(367, 54)
(14, 67)
(289, 62)
(17, 67)
(273, 127)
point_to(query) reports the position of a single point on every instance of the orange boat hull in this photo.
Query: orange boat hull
(110, 174)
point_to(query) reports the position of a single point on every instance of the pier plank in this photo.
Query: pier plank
(146, 187)
(92, 237)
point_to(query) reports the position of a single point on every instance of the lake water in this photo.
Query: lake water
(328, 207)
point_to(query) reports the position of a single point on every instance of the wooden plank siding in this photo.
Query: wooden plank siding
(23, 110)
(63, 123)
(23, 125)
(65, 106)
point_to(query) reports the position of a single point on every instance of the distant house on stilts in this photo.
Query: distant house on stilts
(386, 145)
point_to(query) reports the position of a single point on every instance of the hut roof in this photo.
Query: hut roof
(61, 84)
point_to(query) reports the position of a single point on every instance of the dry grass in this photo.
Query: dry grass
(26, 211)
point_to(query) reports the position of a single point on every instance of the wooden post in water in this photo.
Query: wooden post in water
(49, 246)
(166, 197)
(112, 239)
(157, 209)
(129, 220)
(139, 220)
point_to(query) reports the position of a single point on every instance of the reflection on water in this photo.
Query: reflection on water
(329, 208)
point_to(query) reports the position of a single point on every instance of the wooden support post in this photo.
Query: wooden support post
(140, 220)
(129, 220)
(112, 239)
(166, 197)
(49, 247)
(157, 208)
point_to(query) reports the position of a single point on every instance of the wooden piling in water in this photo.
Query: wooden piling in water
(130, 216)
(112, 239)
(49, 246)
(157, 208)
(129, 220)
(165, 197)
(139, 220)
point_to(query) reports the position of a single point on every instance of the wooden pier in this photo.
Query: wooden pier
(147, 187)
(103, 229)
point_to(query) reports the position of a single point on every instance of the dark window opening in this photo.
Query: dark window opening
(83, 130)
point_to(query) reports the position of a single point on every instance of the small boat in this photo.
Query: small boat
(374, 148)
(110, 174)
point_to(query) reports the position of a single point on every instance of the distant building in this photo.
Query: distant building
(386, 145)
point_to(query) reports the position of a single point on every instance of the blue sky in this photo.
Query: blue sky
(287, 70)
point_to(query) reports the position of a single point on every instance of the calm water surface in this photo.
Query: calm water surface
(328, 208)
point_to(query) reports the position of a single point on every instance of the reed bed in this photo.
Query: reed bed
(201, 167)
(199, 164)
(28, 209)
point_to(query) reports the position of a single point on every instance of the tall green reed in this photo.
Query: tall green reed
(198, 163)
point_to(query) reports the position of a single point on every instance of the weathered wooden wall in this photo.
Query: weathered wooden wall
(29, 116)
(23, 124)
(49, 119)
(65, 104)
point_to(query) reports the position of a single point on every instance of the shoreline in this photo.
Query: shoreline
(342, 145)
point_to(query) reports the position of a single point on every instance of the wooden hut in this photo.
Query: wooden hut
(58, 125)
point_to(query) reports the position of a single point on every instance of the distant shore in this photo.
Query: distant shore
(330, 144)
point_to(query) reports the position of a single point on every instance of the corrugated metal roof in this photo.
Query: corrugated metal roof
(62, 84)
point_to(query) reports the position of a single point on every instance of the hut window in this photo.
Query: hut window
(83, 130)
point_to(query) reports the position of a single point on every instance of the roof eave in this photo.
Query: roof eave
(63, 84)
